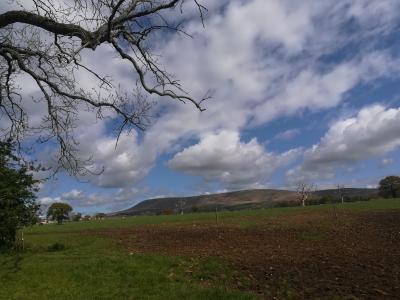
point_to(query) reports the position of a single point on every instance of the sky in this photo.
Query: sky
(301, 91)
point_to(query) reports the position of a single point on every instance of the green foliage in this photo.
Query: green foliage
(100, 216)
(284, 204)
(17, 195)
(389, 187)
(55, 247)
(77, 217)
(86, 218)
(167, 212)
(356, 199)
(59, 211)
(328, 199)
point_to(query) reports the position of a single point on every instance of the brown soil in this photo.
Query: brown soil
(313, 255)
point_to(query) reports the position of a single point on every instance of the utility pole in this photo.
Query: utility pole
(22, 239)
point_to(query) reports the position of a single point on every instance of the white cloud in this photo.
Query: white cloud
(258, 76)
(73, 195)
(373, 132)
(262, 60)
(287, 134)
(377, 15)
(125, 163)
(386, 162)
(253, 83)
(372, 186)
(315, 90)
(224, 158)
(49, 200)
(76, 198)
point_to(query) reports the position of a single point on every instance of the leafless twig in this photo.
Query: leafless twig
(45, 44)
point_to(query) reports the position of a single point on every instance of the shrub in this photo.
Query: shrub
(167, 212)
(55, 247)
(389, 187)
(284, 204)
(17, 195)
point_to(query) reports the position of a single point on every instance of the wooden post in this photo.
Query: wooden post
(22, 238)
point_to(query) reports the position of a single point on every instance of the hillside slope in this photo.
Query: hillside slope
(232, 201)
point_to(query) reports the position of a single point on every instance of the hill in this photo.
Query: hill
(246, 199)
(349, 193)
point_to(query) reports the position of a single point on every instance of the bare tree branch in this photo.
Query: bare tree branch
(45, 42)
(304, 190)
(341, 192)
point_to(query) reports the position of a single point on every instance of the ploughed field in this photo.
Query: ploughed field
(349, 251)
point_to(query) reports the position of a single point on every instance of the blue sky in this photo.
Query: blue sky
(301, 91)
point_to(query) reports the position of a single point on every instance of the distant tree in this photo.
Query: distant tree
(100, 216)
(167, 212)
(59, 211)
(17, 195)
(77, 217)
(341, 192)
(87, 218)
(389, 187)
(180, 205)
(327, 199)
(304, 191)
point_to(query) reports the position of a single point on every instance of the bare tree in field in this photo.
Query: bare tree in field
(304, 191)
(341, 192)
(180, 206)
(44, 39)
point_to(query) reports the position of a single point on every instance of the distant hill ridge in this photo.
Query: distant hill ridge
(244, 199)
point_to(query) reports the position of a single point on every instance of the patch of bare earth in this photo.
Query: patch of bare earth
(313, 255)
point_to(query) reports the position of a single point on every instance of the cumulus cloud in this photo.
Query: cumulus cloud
(262, 60)
(73, 195)
(252, 84)
(119, 198)
(46, 201)
(114, 162)
(258, 76)
(314, 90)
(373, 131)
(124, 163)
(223, 157)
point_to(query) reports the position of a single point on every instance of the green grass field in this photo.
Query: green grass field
(94, 267)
